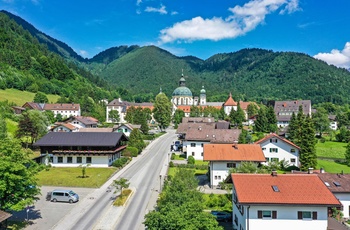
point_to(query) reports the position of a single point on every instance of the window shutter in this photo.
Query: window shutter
(300, 215)
(314, 215)
(259, 214)
(274, 214)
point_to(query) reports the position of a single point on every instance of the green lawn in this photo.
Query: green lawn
(332, 166)
(331, 149)
(20, 97)
(11, 127)
(71, 177)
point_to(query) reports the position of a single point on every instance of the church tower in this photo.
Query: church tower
(202, 97)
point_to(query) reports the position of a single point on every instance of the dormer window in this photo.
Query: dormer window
(273, 140)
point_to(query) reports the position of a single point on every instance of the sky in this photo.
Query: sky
(200, 28)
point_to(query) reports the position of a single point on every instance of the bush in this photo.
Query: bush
(148, 137)
(130, 152)
(171, 164)
(172, 156)
(292, 167)
(120, 162)
(190, 160)
(323, 140)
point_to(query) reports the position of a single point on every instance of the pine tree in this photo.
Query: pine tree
(271, 119)
(239, 116)
(292, 128)
(308, 157)
(260, 125)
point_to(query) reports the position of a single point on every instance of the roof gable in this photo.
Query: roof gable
(233, 152)
(300, 189)
(274, 135)
(230, 101)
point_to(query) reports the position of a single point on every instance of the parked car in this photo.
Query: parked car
(222, 216)
(62, 195)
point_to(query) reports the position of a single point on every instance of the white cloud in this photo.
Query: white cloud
(160, 10)
(83, 53)
(243, 19)
(340, 58)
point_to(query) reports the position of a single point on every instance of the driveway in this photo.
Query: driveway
(45, 214)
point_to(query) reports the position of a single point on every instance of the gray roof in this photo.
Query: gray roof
(288, 107)
(332, 179)
(214, 135)
(96, 130)
(80, 139)
(184, 127)
(197, 119)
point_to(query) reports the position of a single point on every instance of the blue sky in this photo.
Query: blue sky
(199, 28)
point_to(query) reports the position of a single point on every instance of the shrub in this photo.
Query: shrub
(171, 164)
(130, 152)
(172, 156)
(292, 167)
(190, 160)
(323, 140)
(120, 162)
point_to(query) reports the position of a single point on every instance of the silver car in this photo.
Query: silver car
(63, 196)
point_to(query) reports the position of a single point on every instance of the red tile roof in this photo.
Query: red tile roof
(230, 101)
(274, 135)
(227, 152)
(294, 189)
(185, 108)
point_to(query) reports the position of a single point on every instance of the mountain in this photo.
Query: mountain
(249, 74)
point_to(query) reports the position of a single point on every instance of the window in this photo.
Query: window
(193, 144)
(267, 214)
(79, 160)
(307, 215)
(273, 140)
(273, 150)
(59, 159)
(202, 145)
(231, 165)
(273, 159)
(69, 159)
(236, 219)
(292, 160)
(216, 177)
(267, 159)
(192, 153)
(292, 150)
(201, 153)
(88, 160)
(263, 149)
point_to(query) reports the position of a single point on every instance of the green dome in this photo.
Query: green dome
(202, 90)
(182, 91)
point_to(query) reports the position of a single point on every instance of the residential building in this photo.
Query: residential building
(64, 127)
(285, 109)
(126, 128)
(122, 107)
(223, 157)
(195, 140)
(339, 185)
(277, 148)
(333, 124)
(65, 110)
(71, 149)
(82, 122)
(288, 201)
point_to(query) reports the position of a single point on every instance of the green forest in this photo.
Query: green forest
(33, 61)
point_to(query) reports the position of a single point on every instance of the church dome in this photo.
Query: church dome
(202, 90)
(182, 91)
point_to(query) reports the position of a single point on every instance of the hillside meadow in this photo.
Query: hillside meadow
(20, 97)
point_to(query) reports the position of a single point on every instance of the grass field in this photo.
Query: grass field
(20, 97)
(71, 177)
(332, 166)
(331, 149)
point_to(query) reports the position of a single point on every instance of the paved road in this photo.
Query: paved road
(96, 211)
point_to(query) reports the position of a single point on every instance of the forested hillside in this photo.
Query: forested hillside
(139, 72)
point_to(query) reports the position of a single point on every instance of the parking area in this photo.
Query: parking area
(45, 214)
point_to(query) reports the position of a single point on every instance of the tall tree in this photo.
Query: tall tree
(40, 97)
(308, 157)
(135, 140)
(114, 116)
(162, 110)
(271, 119)
(260, 125)
(239, 116)
(178, 115)
(18, 184)
(321, 121)
(252, 109)
(32, 125)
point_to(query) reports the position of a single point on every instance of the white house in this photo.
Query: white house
(66, 110)
(82, 122)
(71, 149)
(339, 185)
(195, 139)
(223, 157)
(126, 128)
(333, 124)
(64, 127)
(288, 201)
(276, 148)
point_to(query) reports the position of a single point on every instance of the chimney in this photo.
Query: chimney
(321, 170)
(274, 173)
(235, 146)
(310, 171)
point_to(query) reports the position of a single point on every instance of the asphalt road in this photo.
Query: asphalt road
(144, 176)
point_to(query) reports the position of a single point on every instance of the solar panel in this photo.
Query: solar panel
(327, 184)
(275, 188)
(336, 183)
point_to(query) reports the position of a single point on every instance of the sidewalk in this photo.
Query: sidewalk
(86, 204)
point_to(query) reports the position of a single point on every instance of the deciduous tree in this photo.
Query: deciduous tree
(162, 110)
